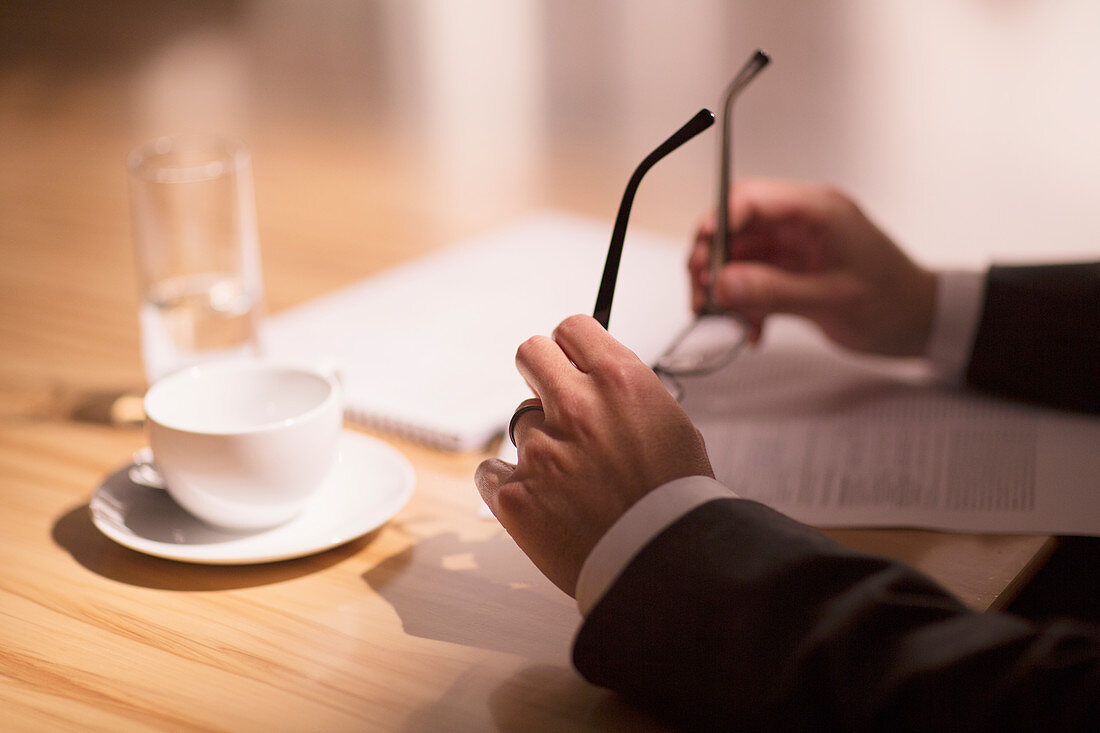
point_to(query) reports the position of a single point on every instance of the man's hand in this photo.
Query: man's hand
(810, 251)
(609, 433)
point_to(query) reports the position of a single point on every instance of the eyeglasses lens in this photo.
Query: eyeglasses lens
(708, 344)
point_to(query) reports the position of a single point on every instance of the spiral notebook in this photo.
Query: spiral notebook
(427, 349)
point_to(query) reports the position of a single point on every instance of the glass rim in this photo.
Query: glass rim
(216, 156)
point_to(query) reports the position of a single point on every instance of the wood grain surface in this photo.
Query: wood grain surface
(433, 622)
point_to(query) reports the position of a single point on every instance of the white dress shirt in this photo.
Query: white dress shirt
(959, 297)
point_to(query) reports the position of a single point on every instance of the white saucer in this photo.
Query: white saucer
(371, 483)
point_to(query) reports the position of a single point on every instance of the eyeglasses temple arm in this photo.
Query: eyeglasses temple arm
(719, 249)
(602, 312)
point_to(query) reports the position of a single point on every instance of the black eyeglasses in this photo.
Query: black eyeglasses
(703, 119)
(714, 337)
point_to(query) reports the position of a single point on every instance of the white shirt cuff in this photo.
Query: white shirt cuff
(959, 298)
(650, 516)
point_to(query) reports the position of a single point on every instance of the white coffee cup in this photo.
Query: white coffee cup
(244, 445)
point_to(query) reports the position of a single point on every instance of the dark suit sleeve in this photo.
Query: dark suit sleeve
(1039, 335)
(739, 618)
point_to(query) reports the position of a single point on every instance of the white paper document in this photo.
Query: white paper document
(427, 349)
(832, 440)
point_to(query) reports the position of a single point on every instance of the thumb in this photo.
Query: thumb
(761, 288)
(489, 477)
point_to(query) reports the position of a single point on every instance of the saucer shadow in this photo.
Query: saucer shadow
(75, 532)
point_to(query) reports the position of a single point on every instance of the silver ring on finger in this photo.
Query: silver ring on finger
(515, 418)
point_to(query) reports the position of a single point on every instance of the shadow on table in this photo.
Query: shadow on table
(483, 594)
(575, 704)
(34, 401)
(75, 532)
(539, 697)
(487, 594)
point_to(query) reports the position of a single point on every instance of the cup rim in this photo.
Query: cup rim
(194, 372)
(232, 156)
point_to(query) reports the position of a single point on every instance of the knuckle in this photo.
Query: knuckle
(537, 451)
(569, 409)
(617, 375)
(542, 461)
(575, 320)
(571, 324)
(851, 293)
(836, 201)
(528, 348)
(576, 416)
(626, 379)
(754, 289)
(540, 453)
(832, 194)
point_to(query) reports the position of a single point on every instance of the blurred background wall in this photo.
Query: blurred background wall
(967, 127)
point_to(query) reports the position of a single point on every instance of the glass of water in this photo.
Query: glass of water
(194, 221)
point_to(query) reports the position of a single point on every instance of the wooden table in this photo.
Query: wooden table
(433, 622)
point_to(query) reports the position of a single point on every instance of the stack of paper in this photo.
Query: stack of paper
(835, 439)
